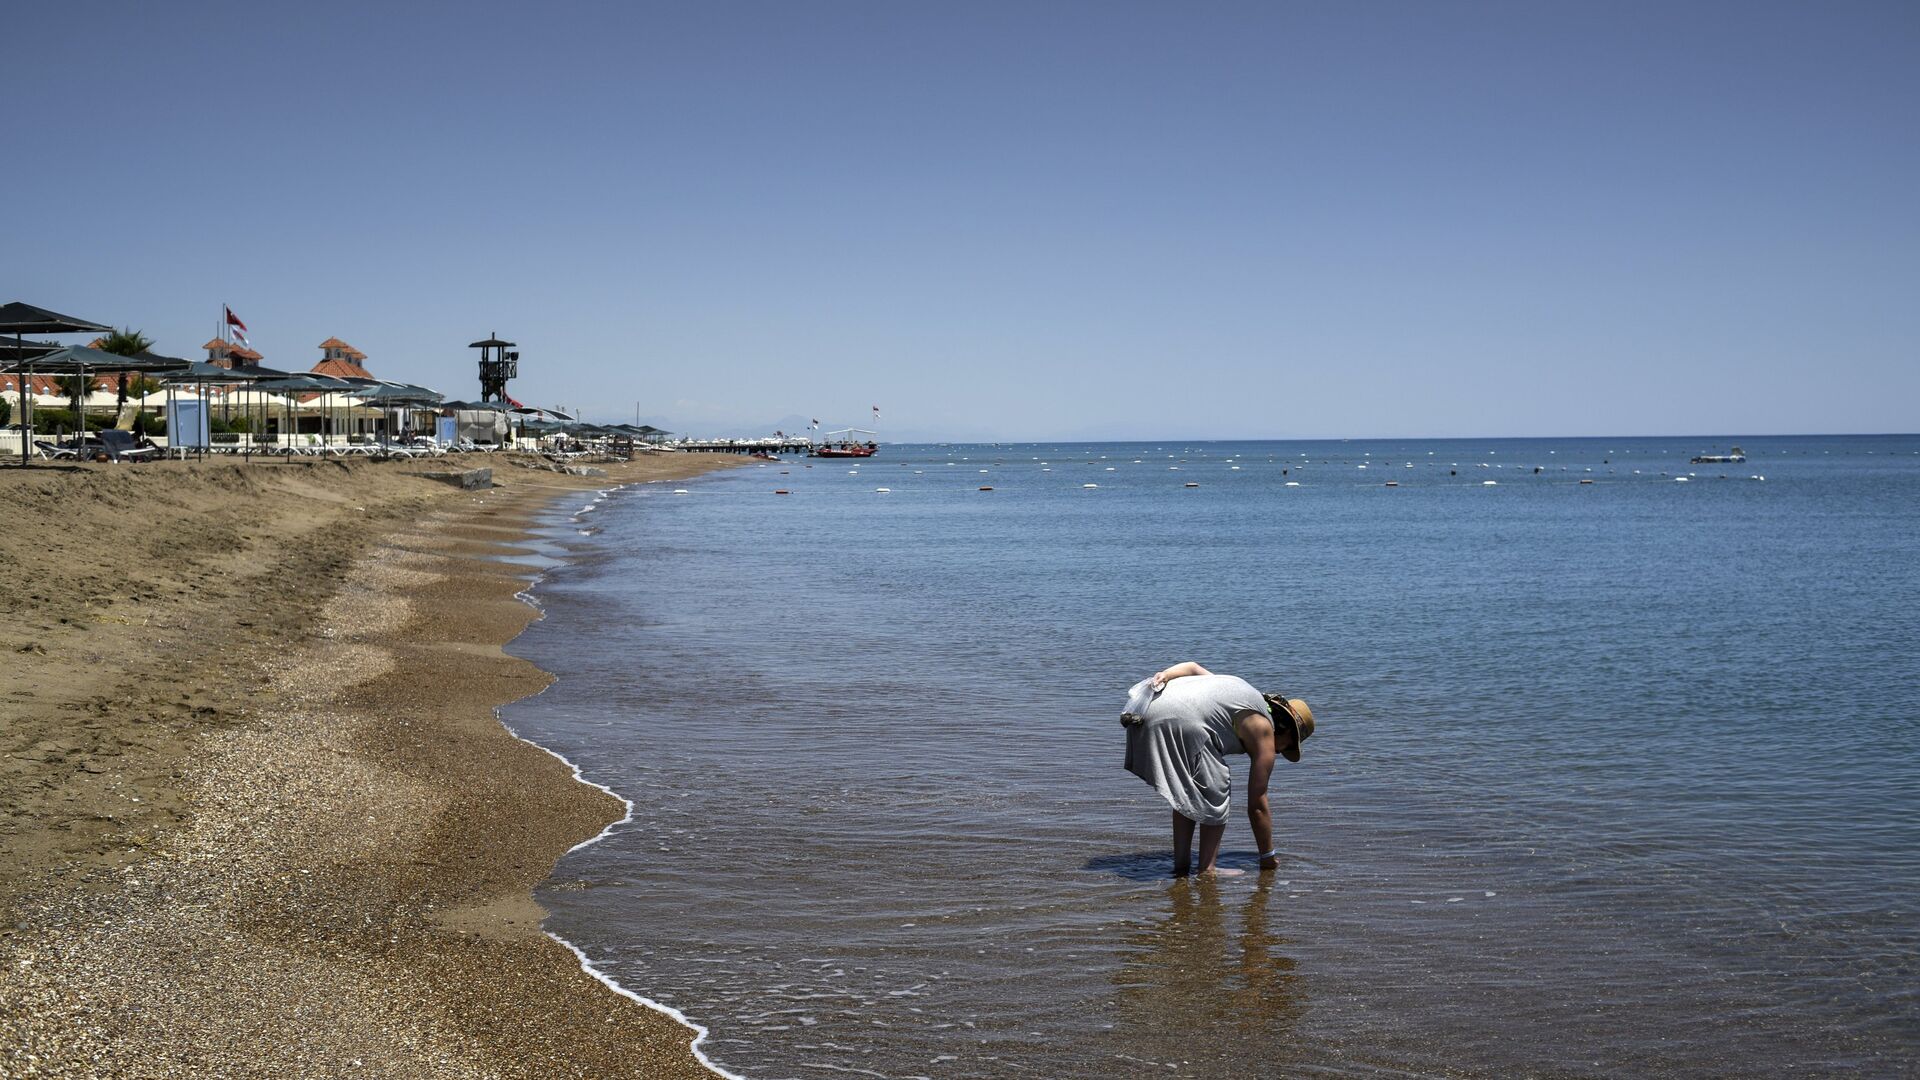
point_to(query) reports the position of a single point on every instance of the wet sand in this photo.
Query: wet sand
(257, 817)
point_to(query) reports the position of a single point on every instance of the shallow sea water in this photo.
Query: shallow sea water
(1611, 778)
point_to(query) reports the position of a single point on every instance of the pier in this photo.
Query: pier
(765, 445)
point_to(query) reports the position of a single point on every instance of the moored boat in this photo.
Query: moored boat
(1735, 457)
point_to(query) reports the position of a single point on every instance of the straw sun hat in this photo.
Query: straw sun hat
(1293, 713)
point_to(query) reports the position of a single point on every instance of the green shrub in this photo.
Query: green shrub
(6, 412)
(47, 421)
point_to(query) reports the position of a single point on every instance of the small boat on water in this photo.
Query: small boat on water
(846, 446)
(1733, 458)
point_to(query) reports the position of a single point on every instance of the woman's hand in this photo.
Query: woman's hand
(1165, 675)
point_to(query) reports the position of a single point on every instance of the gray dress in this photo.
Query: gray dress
(1181, 738)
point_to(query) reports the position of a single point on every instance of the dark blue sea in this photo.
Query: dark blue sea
(1612, 778)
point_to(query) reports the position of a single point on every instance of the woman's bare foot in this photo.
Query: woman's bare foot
(1221, 871)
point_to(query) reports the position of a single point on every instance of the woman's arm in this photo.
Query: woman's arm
(1257, 738)
(1164, 675)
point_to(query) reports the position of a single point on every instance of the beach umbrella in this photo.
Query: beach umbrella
(19, 319)
(390, 396)
(290, 387)
(208, 378)
(12, 352)
(80, 360)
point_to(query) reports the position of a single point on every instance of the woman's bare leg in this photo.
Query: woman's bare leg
(1210, 836)
(1183, 844)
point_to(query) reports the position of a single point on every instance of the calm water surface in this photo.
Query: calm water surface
(1612, 778)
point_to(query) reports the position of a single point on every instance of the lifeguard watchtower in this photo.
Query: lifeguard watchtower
(497, 365)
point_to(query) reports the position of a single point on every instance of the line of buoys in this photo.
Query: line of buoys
(1586, 481)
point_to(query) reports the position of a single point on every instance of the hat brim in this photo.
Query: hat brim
(1284, 715)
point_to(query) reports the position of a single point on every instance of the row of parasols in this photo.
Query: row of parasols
(259, 391)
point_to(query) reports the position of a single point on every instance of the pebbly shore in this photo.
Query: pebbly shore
(258, 817)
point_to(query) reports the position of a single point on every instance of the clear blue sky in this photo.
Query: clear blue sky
(1018, 220)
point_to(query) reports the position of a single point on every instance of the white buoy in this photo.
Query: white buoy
(1089, 485)
(882, 491)
(1489, 483)
(681, 491)
(1293, 483)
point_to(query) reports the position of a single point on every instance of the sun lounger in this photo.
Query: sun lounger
(124, 446)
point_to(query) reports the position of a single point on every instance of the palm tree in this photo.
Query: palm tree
(125, 342)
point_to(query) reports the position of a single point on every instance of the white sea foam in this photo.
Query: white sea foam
(700, 1033)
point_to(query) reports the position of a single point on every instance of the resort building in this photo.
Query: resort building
(228, 355)
(341, 360)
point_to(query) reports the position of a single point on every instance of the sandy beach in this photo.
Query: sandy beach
(257, 817)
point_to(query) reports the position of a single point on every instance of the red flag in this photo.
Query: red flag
(513, 403)
(239, 328)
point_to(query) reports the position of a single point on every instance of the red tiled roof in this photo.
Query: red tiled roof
(334, 343)
(341, 369)
(216, 345)
(49, 384)
(355, 353)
